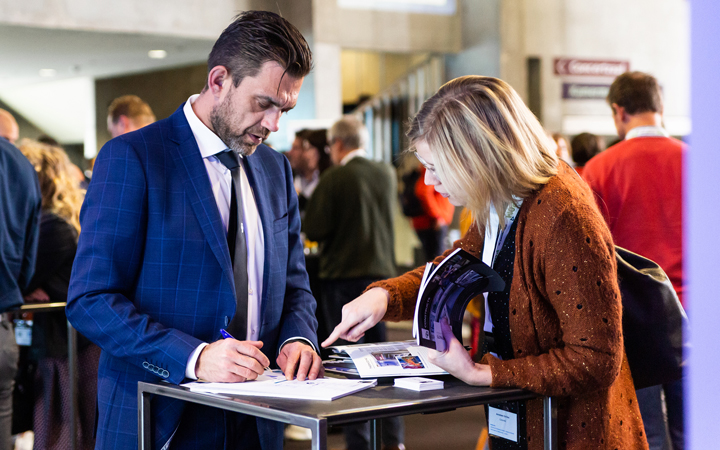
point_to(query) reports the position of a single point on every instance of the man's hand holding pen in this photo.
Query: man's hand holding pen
(231, 361)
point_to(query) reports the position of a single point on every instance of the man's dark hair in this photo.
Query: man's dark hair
(585, 146)
(637, 92)
(256, 37)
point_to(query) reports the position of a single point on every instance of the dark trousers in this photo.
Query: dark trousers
(9, 354)
(334, 295)
(433, 241)
(657, 428)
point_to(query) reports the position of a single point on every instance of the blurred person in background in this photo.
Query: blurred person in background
(312, 161)
(638, 184)
(350, 215)
(128, 113)
(556, 328)
(562, 148)
(437, 212)
(293, 155)
(584, 147)
(59, 228)
(19, 227)
(8, 127)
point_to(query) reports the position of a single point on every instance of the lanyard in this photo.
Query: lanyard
(494, 240)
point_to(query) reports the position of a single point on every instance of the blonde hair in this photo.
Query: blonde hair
(60, 192)
(486, 144)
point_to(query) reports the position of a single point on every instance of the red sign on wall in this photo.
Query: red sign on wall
(590, 67)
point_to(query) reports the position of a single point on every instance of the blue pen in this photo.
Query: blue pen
(226, 335)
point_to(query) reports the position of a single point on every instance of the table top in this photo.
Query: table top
(375, 403)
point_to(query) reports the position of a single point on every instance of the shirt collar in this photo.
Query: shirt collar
(359, 153)
(208, 142)
(646, 131)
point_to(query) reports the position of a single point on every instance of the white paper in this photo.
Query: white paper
(274, 384)
(502, 424)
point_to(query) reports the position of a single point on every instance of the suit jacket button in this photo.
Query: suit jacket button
(146, 365)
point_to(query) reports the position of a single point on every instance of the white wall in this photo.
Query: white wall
(653, 35)
(187, 18)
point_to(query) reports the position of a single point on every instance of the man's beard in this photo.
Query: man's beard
(221, 118)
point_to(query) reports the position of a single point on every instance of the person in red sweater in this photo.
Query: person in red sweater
(638, 186)
(432, 226)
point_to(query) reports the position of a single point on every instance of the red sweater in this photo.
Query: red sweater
(435, 206)
(638, 184)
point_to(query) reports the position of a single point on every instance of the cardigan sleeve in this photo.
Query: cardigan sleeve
(574, 271)
(404, 289)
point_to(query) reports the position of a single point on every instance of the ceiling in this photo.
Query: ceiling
(63, 105)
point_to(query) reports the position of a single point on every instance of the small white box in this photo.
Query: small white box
(418, 383)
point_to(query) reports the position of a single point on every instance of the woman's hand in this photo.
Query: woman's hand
(457, 362)
(360, 315)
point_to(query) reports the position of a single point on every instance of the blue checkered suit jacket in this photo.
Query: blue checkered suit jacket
(153, 279)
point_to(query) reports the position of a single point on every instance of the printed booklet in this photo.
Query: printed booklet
(445, 291)
(382, 359)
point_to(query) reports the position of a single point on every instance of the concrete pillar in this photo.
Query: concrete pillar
(90, 148)
(328, 81)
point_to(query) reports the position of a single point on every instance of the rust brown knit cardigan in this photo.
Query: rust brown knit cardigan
(565, 319)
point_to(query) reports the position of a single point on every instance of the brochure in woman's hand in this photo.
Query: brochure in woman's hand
(445, 291)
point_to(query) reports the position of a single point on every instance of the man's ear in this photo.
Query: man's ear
(620, 113)
(218, 78)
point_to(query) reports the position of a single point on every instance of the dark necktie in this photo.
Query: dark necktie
(238, 248)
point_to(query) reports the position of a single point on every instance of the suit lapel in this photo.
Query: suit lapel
(193, 174)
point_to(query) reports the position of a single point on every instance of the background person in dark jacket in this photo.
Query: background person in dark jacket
(351, 216)
(19, 216)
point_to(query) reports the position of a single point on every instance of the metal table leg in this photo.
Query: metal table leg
(144, 418)
(319, 435)
(375, 430)
(550, 424)
(73, 375)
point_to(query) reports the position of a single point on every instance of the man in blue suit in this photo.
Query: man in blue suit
(178, 243)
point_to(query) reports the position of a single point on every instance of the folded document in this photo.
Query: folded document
(273, 384)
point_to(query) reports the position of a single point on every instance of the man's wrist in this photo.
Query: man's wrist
(298, 339)
(190, 368)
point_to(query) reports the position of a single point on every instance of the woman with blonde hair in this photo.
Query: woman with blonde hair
(556, 329)
(59, 229)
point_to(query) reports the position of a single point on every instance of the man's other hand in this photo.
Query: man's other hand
(298, 357)
(231, 361)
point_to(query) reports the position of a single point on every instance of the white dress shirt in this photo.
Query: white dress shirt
(646, 131)
(359, 153)
(221, 182)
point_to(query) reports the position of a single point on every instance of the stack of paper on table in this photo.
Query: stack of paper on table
(385, 359)
(274, 384)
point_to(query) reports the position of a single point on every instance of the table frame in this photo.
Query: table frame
(270, 408)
